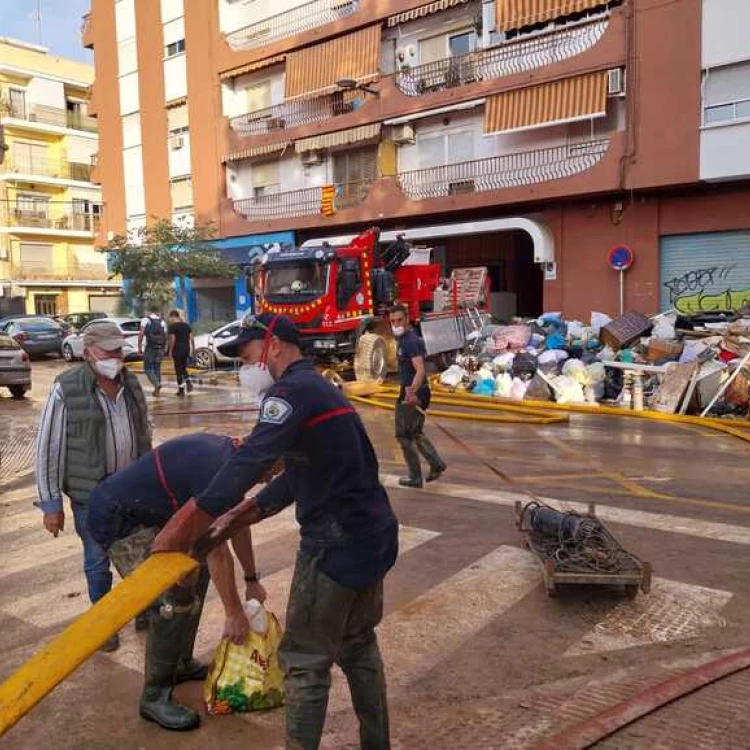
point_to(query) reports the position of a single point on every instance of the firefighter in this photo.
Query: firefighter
(349, 534)
(126, 512)
(413, 400)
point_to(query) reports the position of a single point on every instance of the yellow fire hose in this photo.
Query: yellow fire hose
(48, 667)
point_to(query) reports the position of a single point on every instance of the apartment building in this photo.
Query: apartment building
(530, 136)
(50, 210)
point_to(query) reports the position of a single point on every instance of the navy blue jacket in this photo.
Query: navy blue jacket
(331, 470)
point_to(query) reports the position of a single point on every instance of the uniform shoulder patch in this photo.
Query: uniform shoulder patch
(275, 410)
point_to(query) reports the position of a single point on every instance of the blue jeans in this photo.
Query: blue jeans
(95, 559)
(152, 366)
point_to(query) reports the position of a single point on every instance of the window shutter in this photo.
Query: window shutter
(39, 256)
(432, 50)
(177, 117)
(265, 174)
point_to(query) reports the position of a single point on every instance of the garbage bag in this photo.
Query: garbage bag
(503, 384)
(598, 321)
(247, 677)
(568, 390)
(576, 370)
(453, 376)
(538, 390)
(524, 366)
(692, 350)
(576, 330)
(606, 355)
(664, 327)
(518, 389)
(511, 338)
(484, 387)
(552, 358)
(503, 362)
(555, 340)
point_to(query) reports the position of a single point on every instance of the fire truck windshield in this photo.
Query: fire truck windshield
(306, 279)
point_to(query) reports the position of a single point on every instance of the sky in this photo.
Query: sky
(61, 25)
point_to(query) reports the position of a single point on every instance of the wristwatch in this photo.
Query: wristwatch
(251, 577)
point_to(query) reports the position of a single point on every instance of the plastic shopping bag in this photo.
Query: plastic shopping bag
(247, 677)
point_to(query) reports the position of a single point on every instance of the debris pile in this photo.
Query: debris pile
(669, 363)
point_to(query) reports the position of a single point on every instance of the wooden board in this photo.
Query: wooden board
(676, 381)
(48, 667)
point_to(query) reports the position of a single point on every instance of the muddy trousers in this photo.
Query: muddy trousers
(413, 441)
(173, 624)
(329, 624)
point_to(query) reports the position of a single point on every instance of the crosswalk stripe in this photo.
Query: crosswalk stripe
(723, 532)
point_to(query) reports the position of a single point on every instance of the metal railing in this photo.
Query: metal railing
(41, 113)
(498, 172)
(291, 22)
(74, 272)
(305, 202)
(61, 215)
(496, 62)
(298, 112)
(38, 167)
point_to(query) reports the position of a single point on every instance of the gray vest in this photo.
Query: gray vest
(85, 459)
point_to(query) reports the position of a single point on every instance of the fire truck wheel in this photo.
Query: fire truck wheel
(370, 361)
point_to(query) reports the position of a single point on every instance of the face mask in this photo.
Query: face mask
(256, 379)
(398, 331)
(108, 368)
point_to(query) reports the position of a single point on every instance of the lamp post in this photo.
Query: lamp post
(349, 84)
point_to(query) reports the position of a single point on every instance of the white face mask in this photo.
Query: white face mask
(398, 331)
(108, 368)
(256, 378)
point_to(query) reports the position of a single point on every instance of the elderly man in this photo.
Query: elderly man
(95, 422)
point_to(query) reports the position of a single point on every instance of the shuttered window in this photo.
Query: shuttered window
(266, 178)
(29, 157)
(182, 193)
(36, 256)
(432, 49)
(258, 96)
(360, 165)
(177, 118)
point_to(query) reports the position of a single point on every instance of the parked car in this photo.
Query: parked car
(206, 352)
(76, 321)
(15, 368)
(72, 346)
(36, 335)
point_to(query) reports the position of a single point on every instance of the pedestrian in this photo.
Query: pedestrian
(413, 401)
(154, 332)
(126, 512)
(181, 347)
(95, 422)
(349, 534)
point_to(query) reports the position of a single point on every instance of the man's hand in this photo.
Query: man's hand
(255, 590)
(54, 522)
(410, 398)
(236, 627)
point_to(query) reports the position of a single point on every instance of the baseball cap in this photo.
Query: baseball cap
(256, 328)
(105, 334)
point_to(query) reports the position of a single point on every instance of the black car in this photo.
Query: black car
(36, 335)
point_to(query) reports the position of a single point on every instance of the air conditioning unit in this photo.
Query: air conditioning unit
(311, 158)
(176, 142)
(403, 134)
(616, 82)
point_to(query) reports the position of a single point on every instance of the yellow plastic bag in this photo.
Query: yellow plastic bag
(247, 677)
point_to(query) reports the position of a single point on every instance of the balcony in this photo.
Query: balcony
(57, 169)
(299, 112)
(292, 22)
(42, 114)
(498, 172)
(76, 272)
(305, 202)
(53, 216)
(87, 39)
(508, 59)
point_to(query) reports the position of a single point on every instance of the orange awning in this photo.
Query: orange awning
(565, 100)
(514, 14)
(251, 67)
(313, 71)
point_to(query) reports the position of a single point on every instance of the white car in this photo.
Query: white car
(206, 346)
(72, 346)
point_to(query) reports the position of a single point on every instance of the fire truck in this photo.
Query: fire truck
(339, 296)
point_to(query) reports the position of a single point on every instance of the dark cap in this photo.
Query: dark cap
(256, 328)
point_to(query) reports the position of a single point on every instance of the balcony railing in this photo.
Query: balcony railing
(27, 271)
(41, 113)
(37, 167)
(304, 18)
(512, 57)
(507, 171)
(305, 202)
(59, 215)
(299, 112)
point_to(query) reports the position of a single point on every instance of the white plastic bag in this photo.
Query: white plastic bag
(598, 321)
(518, 389)
(664, 327)
(453, 376)
(503, 384)
(568, 391)
(575, 370)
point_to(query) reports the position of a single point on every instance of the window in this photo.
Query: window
(446, 45)
(131, 130)
(726, 94)
(36, 256)
(127, 57)
(29, 157)
(258, 96)
(182, 192)
(266, 178)
(45, 304)
(461, 44)
(32, 205)
(17, 103)
(439, 149)
(175, 48)
(432, 49)
(177, 120)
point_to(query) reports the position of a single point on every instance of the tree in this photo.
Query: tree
(150, 258)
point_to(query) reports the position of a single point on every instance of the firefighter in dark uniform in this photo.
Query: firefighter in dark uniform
(413, 400)
(349, 534)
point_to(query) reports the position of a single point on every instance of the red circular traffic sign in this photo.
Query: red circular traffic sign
(620, 258)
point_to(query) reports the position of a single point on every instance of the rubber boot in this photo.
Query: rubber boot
(163, 650)
(412, 462)
(188, 669)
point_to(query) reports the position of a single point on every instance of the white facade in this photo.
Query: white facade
(135, 193)
(171, 9)
(124, 19)
(250, 92)
(175, 77)
(236, 14)
(179, 158)
(725, 31)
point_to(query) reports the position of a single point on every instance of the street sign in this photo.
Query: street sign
(620, 258)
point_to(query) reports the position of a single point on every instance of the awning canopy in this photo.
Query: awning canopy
(566, 100)
(249, 153)
(251, 67)
(424, 10)
(313, 71)
(172, 103)
(339, 138)
(514, 14)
